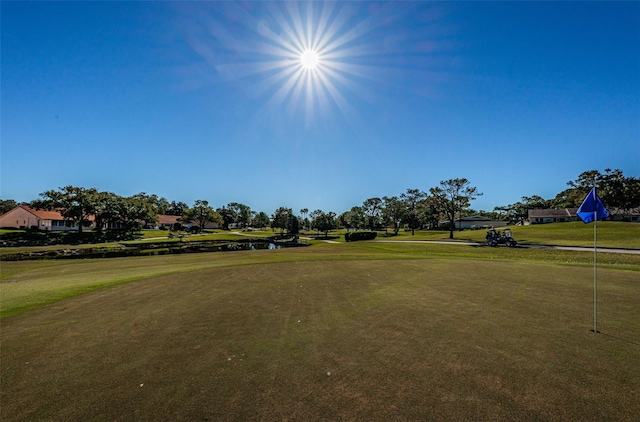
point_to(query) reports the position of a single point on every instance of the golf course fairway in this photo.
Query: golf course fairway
(327, 333)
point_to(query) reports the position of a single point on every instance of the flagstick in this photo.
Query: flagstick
(588, 212)
(595, 275)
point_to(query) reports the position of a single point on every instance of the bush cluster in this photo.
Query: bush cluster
(355, 236)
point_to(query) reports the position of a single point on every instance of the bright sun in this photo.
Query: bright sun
(309, 59)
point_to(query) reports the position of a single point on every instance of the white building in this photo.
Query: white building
(474, 222)
(553, 216)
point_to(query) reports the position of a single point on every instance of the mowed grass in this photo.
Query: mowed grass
(26, 285)
(337, 332)
(610, 234)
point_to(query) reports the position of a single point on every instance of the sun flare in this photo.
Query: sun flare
(309, 59)
(313, 56)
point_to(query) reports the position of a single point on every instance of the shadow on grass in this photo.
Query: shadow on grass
(619, 338)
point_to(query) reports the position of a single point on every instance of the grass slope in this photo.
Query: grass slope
(26, 285)
(340, 332)
(609, 234)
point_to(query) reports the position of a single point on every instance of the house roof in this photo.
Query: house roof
(168, 219)
(47, 214)
(475, 218)
(632, 211)
(550, 213)
(43, 214)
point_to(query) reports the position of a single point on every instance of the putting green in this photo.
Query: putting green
(411, 339)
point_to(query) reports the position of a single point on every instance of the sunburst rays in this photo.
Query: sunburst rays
(308, 57)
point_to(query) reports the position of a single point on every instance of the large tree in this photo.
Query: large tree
(393, 210)
(618, 192)
(74, 203)
(429, 212)
(228, 216)
(293, 224)
(7, 205)
(329, 222)
(453, 196)
(315, 217)
(260, 220)
(631, 194)
(518, 212)
(343, 220)
(372, 209)
(176, 208)
(324, 221)
(411, 199)
(356, 218)
(242, 214)
(280, 218)
(203, 214)
(568, 198)
(106, 211)
(147, 207)
(160, 205)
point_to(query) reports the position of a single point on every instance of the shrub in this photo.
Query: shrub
(355, 236)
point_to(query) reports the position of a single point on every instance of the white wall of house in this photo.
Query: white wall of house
(62, 225)
(483, 224)
(545, 220)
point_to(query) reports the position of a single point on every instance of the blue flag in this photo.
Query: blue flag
(592, 208)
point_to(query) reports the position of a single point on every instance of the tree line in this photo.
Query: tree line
(619, 193)
(413, 209)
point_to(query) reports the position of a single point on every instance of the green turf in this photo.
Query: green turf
(609, 234)
(146, 237)
(27, 285)
(338, 332)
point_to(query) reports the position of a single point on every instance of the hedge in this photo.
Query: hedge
(355, 236)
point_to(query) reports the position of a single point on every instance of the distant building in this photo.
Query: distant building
(474, 222)
(24, 217)
(619, 214)
(166, 222)
(553, 216)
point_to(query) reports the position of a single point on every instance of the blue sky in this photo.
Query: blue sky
(209, 100)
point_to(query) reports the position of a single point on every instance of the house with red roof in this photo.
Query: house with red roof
(168, 221)
(25, 217)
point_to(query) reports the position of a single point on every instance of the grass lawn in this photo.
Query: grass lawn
(610, 234)
(145, 237)
(365, 331)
